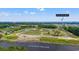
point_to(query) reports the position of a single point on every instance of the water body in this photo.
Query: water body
(36, 46)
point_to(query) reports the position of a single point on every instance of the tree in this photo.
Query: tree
(1, 36)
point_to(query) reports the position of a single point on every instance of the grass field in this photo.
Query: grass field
(57, 40)
(33, 32)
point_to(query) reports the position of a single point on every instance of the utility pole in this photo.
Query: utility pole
(62, 15)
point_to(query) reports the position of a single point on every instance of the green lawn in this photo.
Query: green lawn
(33, 32)
(56, 40)
(10, 36)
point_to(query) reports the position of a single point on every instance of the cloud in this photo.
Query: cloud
(41, 9)
(8, 14)
(67, 12)
(4, 14)
(32, 13)
(26, 12)
(16, 14)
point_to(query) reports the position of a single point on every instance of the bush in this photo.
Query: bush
(47, 26)
(74, 30)
(11, 36)
(2, 48)
(13, 48)
(16, 48)
(1, 35)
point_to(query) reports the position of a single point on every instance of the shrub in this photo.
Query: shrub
(74, 30)
(16, 48)
(47, 26)
(1, 35)
(11, 36)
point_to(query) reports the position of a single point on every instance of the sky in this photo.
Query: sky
(38, 14)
